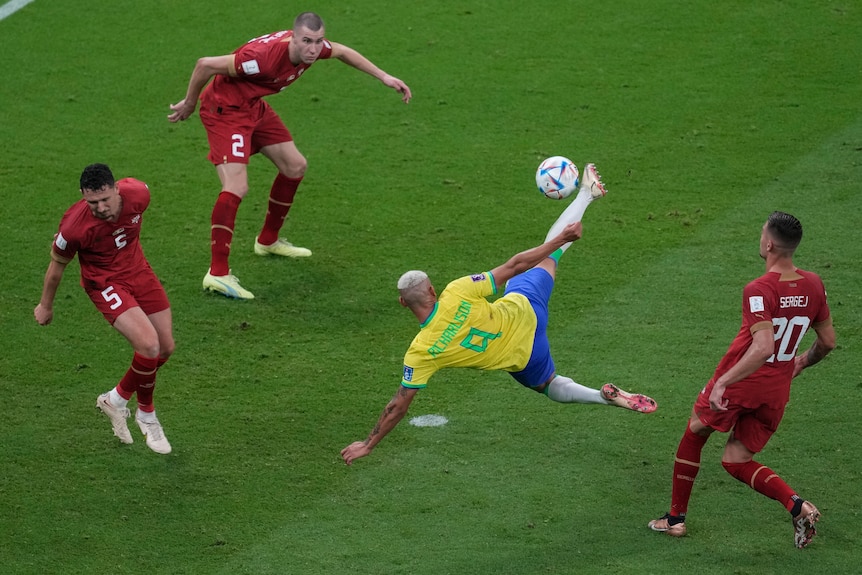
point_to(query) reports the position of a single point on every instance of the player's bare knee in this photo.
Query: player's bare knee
(698, 427)
(148, 347)
(296, 168)
(166, 349)
(239, 190)
(291, 165)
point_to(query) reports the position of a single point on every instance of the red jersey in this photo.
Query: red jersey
(262, 67)
(791, 303)
(106, 250)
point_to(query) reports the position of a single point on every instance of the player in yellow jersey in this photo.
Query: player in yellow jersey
(461, 328)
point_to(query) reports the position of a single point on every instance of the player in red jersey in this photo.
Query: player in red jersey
(103, 229)
(751, 385)
(240, 124)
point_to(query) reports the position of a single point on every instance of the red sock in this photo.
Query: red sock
(145, 395)
(280, 200)
(221, 233)
(763, 480)
(142, 372)
(685, 468)
(145, 391)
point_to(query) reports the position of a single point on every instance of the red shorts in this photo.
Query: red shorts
(145, 291)
(753, 427)
(235, 134)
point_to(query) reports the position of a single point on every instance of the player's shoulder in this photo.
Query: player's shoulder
(766, 281)
(131, 184)
(470, 279)
(77, 214)
(813, 283)
(468, 286)
(133, 189)
(271, 41)
(809, 275)
(327, 50)
(135, 193)
(76, 223)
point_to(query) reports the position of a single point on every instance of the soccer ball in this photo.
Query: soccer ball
(557, 177)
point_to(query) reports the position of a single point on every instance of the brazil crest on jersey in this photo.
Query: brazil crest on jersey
(466, 330)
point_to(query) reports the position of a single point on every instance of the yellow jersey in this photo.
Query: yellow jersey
(466, 330)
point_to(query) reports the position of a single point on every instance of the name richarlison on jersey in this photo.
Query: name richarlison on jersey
(451, 330)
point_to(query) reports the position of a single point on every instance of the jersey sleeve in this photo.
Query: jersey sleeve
(67, 240)
(326, 52)
(475, 286)
(418, 368)
(61, 250)
(756, 306)
(136, 192)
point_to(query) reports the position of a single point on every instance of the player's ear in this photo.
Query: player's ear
(402, 302)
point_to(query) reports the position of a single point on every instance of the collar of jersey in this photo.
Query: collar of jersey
(430, 315)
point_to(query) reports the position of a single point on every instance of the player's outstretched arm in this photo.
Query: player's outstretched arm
(44, 311)
(821, 347)
(392, 414)
(525, 260)
(353, 58)
(205, 68)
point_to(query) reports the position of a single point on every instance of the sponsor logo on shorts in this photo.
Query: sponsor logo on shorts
(408, 373)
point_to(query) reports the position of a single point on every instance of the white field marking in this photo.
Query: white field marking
(429, 421)
(11, 7)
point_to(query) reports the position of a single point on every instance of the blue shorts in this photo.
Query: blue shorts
(536, 284)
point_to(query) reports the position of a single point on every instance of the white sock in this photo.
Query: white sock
(146, 416)
(573, 213)
(563, 390)
(116, 399)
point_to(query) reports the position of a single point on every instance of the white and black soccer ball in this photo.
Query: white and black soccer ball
(557, 177)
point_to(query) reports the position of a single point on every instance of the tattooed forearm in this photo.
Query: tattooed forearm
(392, 414)
(816, 353)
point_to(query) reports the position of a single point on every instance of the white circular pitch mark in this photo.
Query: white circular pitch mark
(429, 421)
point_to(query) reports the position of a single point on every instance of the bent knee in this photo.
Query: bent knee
(239, 190)
(166, 350)
(296, 168)
(149, 349)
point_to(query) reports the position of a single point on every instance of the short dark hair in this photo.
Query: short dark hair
(96, 177)
(308, 20)
(785, 228)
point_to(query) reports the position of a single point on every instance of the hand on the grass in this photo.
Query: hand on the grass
(354, 451)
